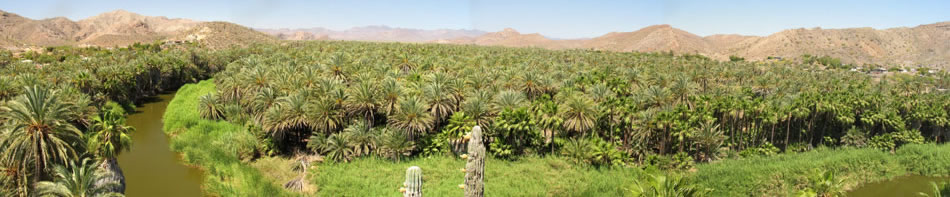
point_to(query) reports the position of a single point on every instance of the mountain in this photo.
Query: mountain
(218, 35)
(924, 44)
(115, 28)
(512, 38)
(372, 33)
(651, 39)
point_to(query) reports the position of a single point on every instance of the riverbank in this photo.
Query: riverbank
(784, 174)
(209, 145)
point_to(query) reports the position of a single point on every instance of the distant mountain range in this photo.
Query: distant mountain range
(921, 45)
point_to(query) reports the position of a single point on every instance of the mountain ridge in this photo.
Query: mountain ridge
(925, 44)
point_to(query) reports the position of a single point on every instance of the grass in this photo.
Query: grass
(207, 144)
(782, 174)
(530, 176)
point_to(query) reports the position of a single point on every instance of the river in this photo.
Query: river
(150, 167)
(900, 186)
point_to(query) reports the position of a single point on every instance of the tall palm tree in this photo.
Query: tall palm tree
(37, 133)
(78, 180)
(362, 101)
(578, 112)
(412, 117)
(109, 137)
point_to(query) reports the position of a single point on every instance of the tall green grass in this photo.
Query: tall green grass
(782, 174)
(208, 145)
(530, 176)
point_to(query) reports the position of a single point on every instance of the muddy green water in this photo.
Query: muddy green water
(150, 167)
(900, 186)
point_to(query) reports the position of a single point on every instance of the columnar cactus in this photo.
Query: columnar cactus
(413, 184)
(475, 168)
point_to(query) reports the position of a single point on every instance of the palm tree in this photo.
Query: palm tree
(362, 137)
(394, 145)
(209, 107)
(37, 133)
(412, 118)
(326, 115)
(441, 102)
(659, 185)
(362, 101)
(509, 100)
(338, 147)
(578, 112)
(109, 137)
(78, 180)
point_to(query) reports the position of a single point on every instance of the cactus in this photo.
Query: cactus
(475, 167)
(413, 184)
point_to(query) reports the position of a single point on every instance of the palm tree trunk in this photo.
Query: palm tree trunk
(112, 166)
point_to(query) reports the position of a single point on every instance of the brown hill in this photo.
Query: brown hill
(925, 44)
(512, 38)
(222, 34)
(651, 39)
(119, 28)
(921, 45)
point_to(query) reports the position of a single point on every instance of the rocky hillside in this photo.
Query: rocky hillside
(921, 45)
(512, 38)
(118, 28)
(222, 34)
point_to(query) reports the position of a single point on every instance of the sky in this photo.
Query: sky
(552, 18)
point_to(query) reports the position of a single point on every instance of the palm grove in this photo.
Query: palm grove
(345, 100)
(63, 123)
(63, 112)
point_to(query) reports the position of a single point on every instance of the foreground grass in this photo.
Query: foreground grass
(530, 176)
(783, 174)
(208, 145)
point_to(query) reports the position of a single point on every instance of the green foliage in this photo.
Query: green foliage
(109, 135)
(36, 135)
(733, 58)
(202, 143)
(782, 174)
(766, 149)
(824, 184)
(78, 179)
(939, 190)
(659, 185)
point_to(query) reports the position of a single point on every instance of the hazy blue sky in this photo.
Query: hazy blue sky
(553, 18)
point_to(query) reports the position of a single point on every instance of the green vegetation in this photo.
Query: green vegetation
(78, 179)
(657, 185)
(782, 174)
(215, 147)
(62, 105)
(567, 123)
(939, 190)
(529, 176)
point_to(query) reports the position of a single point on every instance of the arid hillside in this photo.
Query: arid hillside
(119, 28)
(921, 45)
